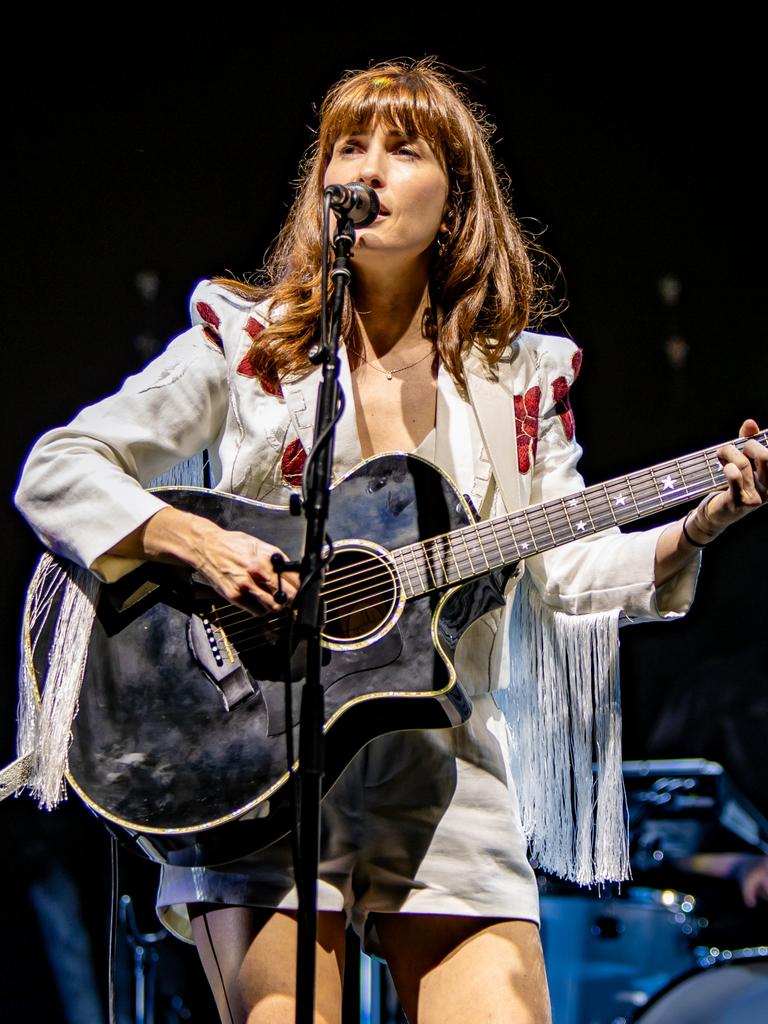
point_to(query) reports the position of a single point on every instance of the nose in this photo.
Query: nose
(372, 167)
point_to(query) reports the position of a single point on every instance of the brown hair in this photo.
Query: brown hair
(482, 281)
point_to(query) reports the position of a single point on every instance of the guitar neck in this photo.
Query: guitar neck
(475, 550)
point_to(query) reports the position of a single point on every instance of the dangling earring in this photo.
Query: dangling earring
(443, 240)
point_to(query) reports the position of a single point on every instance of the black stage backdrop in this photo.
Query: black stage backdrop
(150, 150)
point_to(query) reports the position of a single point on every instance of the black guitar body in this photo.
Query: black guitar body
(180, 735)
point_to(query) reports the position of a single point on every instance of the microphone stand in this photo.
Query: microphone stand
(309, 619)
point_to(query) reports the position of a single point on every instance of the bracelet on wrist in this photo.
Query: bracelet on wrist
(688, 537)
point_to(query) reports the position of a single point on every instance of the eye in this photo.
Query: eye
(348, 147)
(408, 149)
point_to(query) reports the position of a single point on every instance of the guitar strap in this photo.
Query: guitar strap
(494, 411)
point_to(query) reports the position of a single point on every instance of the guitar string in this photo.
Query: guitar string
(362, 596)
(560, 525)
(249, 648)
(370, 578)
(266, 636)
(656, 497)
(437, 565)
(240, 617)
(472, 533)
(361, 602)
(648, 491)
(373, 581)
(345, 575)
(652, 499)
(487, 531)
(659, 498)
(553, 521)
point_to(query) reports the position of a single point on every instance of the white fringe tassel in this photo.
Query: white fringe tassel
(45, 726)
(562, 706)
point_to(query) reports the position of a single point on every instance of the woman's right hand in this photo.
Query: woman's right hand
(237, 565)
(240, 568)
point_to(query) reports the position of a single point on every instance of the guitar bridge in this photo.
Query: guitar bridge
(217, 657)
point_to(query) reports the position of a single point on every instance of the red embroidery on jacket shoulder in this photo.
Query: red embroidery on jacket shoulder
(253, 327)
(208, 314)
(527, 421)
(576, 363)
(246, 367)
(270, 383)
(563, 406)
(211, 323)
(292, 463)
(269, 380)
(214, 337)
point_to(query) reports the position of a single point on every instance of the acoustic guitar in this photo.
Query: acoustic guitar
(179, 741)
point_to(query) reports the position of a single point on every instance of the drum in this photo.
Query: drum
(731, 990)
(608, 956)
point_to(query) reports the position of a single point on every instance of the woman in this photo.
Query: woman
(423, 848)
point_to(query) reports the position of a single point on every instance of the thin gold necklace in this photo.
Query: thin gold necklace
(399, 369)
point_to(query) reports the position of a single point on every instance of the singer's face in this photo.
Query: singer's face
(410, 182)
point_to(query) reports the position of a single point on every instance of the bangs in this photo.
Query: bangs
(404, 102)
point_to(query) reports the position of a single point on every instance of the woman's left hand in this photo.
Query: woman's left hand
(746, 472)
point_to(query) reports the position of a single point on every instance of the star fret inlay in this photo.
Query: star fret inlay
(668, 483)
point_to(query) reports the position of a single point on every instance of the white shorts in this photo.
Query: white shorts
(421, 822)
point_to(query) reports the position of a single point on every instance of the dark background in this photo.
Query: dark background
(167, 143)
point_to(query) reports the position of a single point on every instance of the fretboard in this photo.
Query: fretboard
(494, 543)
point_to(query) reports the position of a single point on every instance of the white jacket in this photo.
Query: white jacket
(83, 490)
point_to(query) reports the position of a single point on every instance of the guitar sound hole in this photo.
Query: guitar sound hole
(361, 596)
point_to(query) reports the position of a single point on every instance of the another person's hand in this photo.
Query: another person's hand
(750, 870)
(752, 875)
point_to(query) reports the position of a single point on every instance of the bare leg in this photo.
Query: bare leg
(451, 970)
(249, 958)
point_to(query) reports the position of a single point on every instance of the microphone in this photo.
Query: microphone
(355, 202)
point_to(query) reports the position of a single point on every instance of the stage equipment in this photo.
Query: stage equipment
(606, 956)
(730, 987)
(672, 804)
(641, 953)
